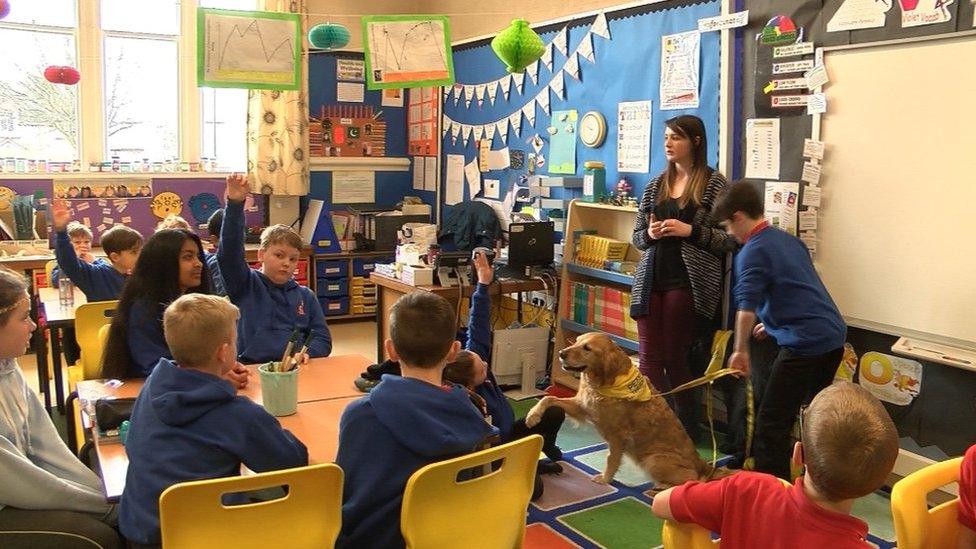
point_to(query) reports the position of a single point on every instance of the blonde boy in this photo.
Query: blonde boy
(188, 422)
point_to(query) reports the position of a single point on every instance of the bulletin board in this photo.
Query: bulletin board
(625, 67)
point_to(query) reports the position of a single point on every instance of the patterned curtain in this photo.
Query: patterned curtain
(277, 126)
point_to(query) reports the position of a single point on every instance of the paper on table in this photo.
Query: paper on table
(499, 160)
(762, 148)
(811, 196)
(454, 191)
(348, 92)
(430, 173)
(492, 188)
(473, 175)
(418, 173)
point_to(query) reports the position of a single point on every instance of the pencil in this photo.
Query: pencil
(294, 362)
(288, 348)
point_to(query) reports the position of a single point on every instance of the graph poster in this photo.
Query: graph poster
(249, 49)
(407, 51)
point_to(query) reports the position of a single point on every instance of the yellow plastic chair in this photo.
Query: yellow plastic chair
(48, 268)
(483, 512)
(917, 526)
(92, 321)
(685, 535)
(192, 516)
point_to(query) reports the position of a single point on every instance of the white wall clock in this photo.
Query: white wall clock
(593, 129)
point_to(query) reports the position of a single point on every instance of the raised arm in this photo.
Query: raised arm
(230, 253)
(479, 314)
(70, 264)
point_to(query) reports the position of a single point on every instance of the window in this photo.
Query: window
(137, 98)
(38, 119)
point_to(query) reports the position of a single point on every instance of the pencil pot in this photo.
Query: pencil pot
(279, 390)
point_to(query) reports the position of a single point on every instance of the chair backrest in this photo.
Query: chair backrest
(48, 268)
(191, 514)
(91, 322)
(917, 526)
(483, 512)
(685, 535)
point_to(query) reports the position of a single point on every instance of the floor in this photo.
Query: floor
(575, 512)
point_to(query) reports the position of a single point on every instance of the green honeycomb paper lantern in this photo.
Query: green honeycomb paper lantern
(328, 36)
(518, 46)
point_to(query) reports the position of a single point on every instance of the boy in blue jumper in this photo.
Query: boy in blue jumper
(100, 281)
(404, 423)
(776, 283)
(188, 422)
(470, 369)
(272, 303)
(214, 224)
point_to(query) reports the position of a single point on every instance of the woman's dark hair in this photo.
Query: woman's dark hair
(156, 280)
(693, 129)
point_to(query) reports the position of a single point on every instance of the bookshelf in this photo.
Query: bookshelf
(615, 222)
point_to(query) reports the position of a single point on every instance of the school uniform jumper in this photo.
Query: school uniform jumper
(269, 312)
(384, 437)
(146, 341)
(776, 279)
(100, 281)
(190, 425)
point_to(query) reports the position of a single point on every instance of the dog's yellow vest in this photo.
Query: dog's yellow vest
(629, 386)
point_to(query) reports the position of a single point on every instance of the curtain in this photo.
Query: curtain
(277, 126)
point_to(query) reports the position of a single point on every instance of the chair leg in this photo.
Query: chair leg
(71, 420)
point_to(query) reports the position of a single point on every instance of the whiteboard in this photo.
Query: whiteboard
(897, 227)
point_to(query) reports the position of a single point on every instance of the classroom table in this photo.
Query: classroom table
(325, 388)
(389, 290)
(57, 318)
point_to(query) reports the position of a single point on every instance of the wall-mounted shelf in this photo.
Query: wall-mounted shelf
(581, 329)
(602, 274)
(363, 163)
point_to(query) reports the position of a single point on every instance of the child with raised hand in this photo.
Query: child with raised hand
(47, 496)
(470, 369)
(99, 281)
(171, 265)
(272, 304)
(189, 424)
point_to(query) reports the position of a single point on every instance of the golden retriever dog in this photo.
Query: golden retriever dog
(639, 424)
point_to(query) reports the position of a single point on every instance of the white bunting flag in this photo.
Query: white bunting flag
(492, 91)
(518, 79)
(600, 26)
(543, 99)
(546, 58)
(558, 85)
(506, 85)
(585, 49)
(516, 122)
(533, 71)
(529, 111)
(502, 128)
(479, 132)
(458, 92)
(572, 67)
(479, 93)
(559, 42)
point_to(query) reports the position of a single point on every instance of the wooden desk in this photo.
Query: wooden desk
(57, 318)
(325, 382)
(389, 290)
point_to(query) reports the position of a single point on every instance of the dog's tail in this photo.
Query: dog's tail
(707, 472)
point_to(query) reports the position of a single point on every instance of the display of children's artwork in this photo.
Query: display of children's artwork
(407, 51)
(81, 190)
(249, 49)
(347, 131)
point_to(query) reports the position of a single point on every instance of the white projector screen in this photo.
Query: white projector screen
(897, 226)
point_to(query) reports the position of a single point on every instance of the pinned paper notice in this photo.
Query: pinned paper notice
(809, 238)
(102, 202)
(499, 160)
(83, 206)
(792, 66)
(811, 173)
(808, 220)
(108, 221)
(121, 207)
(811, 196)
(492, 188)
(813, 149)
(101, 228)
(731, 21)
(816, 77)
(126, 219)
(473, 175)
(86, 221)
(817, 103)
(800, 48)
(106, 211)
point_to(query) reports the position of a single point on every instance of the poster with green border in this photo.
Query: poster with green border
(407, 51)
(562, 143)
(249, 49)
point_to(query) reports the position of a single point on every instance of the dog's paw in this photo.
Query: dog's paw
(533, 417)
(599, 479)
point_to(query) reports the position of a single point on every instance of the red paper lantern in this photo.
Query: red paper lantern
(52, 74)
(62, 75)
(4, 8)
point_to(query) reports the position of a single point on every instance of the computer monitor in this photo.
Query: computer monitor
(531, 244)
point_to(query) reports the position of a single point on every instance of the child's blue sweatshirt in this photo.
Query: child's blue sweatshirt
(384, 437)
(100, 281)
(218, 280)
(479, 342)
(56, 272)
(776, 279)
(269, 312)
(147, 343)
(189, 425)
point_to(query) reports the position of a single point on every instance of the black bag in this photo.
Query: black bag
(111, 412)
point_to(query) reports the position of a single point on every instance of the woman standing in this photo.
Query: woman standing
(679, 277)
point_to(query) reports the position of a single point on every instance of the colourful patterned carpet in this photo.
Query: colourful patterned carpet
(576, 512)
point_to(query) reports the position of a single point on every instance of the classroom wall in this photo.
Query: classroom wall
(349, 12)
(941, 414)
(470, 20)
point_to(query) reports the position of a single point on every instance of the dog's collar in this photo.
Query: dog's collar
(629, 386)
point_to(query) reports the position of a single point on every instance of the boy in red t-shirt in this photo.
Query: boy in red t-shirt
(848, 445)
(967, 500)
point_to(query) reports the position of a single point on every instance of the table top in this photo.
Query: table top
(54, 312)
(504, 285)
(325, 385)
